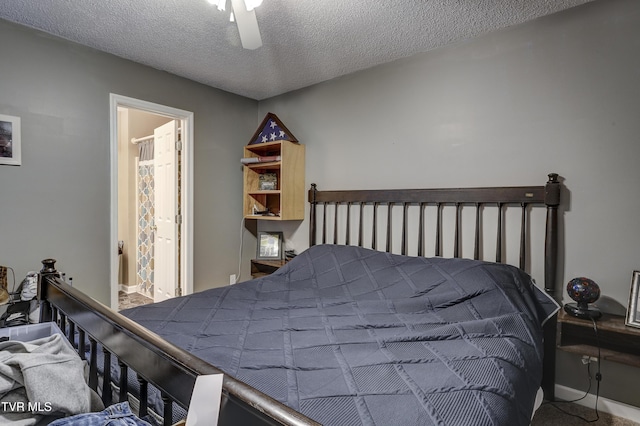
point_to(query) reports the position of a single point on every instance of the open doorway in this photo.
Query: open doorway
(151, 202)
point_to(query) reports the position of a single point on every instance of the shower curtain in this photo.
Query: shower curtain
(146, 225)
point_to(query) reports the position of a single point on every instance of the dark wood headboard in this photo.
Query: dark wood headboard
(327, 203)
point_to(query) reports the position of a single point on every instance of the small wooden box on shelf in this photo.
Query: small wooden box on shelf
(286, 201)
(618, 342)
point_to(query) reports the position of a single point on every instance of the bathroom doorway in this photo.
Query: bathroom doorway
(151, 202)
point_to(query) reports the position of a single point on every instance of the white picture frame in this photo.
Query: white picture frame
(10, 140)
(633, 313)
(269, 246)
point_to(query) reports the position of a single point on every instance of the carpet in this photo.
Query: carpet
(549, 414)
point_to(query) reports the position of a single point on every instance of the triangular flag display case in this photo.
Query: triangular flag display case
(272, 129)
(273, 178)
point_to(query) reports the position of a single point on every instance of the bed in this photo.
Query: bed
(362, 328)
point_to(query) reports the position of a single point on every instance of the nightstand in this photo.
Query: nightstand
(618, 342)
(260, 268)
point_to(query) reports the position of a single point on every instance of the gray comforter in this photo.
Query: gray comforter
(352, 336)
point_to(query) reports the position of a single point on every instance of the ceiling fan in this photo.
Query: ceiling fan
(245, 17)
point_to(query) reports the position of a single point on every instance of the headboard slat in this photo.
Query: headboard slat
(324, 223)
(478, 231)
(405, 211)
(347, 239)
(439, 230)
(335, 223)
(360, 225)
(500, 233)
(389, 221)
(523, 237)
(421, 236)
(456, 242)
(374, 241)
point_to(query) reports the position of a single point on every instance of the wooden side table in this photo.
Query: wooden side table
(618, 342)
(260, 268)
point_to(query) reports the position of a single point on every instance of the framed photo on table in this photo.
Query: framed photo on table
(269, 246)
(633, 313)
(10, 140)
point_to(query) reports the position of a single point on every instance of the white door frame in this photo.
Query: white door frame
(186, 246)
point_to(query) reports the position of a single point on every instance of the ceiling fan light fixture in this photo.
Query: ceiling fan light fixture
(252, 4)
(220, 4)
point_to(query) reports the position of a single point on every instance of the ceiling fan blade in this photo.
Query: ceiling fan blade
(247, 25)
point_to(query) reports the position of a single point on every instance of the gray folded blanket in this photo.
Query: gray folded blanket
(43, 377)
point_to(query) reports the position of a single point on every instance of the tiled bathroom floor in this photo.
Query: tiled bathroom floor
(126, 301)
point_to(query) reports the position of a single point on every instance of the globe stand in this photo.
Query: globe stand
(583, 291)
(582, 310)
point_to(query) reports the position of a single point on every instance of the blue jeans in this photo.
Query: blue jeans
(115, 415)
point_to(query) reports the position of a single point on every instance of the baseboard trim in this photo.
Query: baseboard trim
(605, 405)
(127, 288)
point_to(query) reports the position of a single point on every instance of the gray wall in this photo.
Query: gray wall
(57, 203)
(560, 94)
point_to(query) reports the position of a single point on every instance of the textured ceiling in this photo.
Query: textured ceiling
(305, 41)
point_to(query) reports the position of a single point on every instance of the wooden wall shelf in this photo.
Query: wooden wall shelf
(287, 201)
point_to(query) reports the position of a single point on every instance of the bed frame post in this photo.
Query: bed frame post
(48, 268)
(552, 200)
(312, 217)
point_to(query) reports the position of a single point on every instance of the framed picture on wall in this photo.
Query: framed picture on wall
(10, 140)
(633, 313)
(269, 246)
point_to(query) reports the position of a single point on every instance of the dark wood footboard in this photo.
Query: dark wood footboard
(155, 361)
